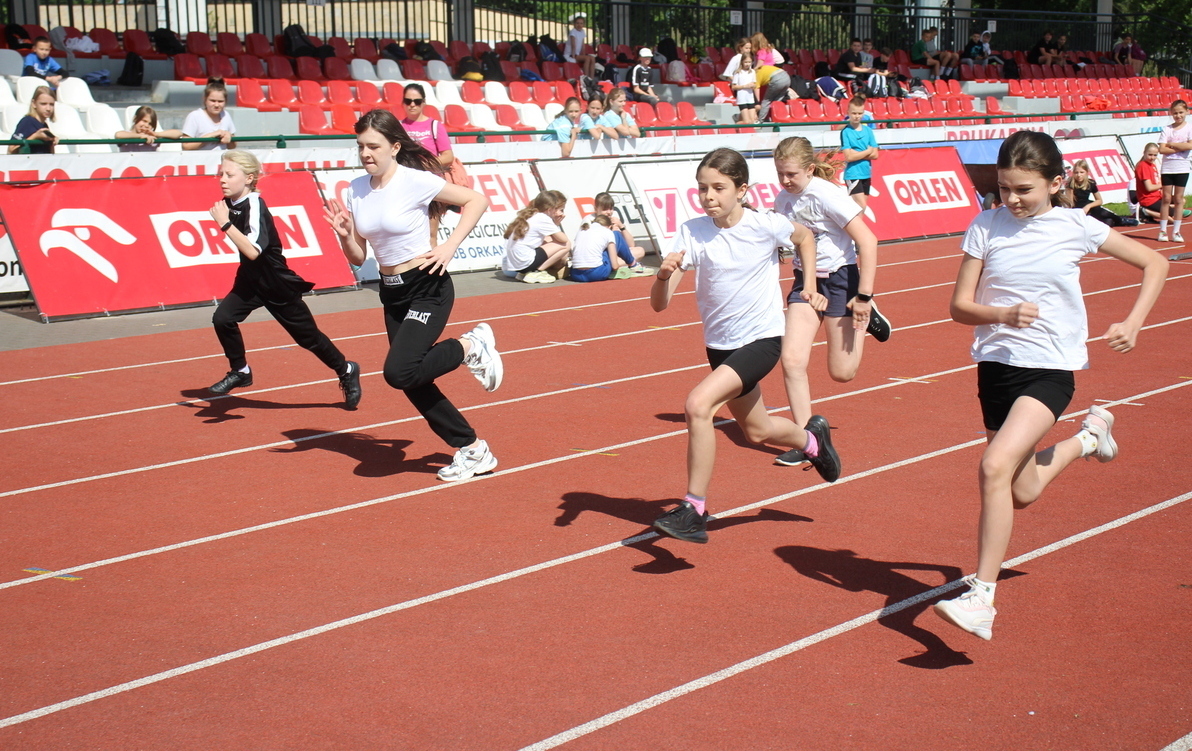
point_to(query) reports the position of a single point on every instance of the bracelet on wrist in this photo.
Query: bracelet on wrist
(227, 226)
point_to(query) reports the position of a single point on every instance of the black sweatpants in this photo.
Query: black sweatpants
(416, 312)
(293, 315)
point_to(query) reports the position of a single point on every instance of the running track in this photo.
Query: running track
(268, 570)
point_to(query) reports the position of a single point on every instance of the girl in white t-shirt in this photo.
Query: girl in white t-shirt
(734, 254)
(1019, 285)
(596, 255)
(845, 267)
(1175, 144)
(534, 243)
(212, 121)
(573, 48)
(390, 210)
(745, 84)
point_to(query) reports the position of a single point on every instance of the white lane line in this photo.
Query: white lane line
(1183, 744)
(733, 670)
(381, 333)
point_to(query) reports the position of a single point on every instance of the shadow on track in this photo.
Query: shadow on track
(375, 457)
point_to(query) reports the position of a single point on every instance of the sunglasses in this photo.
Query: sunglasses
(412, 102)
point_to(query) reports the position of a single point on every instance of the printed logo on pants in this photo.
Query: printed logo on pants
(417, 316)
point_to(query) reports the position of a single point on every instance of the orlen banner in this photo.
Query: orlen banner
(90, 248)
(1107, 166)
(509, 189)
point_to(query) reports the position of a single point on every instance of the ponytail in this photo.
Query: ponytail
(798, 149)
(543, 202)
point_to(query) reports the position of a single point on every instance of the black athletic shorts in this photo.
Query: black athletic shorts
(858, 186)
(999, 386)
(539, 259)
(1178, 179)
(839, 287)
(752, 363)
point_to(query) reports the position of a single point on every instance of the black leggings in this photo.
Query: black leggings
(416, 312)
(293, 315)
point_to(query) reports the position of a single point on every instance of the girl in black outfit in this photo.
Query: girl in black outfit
(264, 279)
(1086, 197)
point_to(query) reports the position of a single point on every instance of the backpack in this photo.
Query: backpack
(803, 88)
(676, 71)
(18, 38)
(394, 51)
(167, 42)
(831, 88)
(134, 71)
(1010, 69)
(517, 52)
(297, 44)
(589, 88)
(549, 49)
(529, 75)
(490, 66)
(424, 51)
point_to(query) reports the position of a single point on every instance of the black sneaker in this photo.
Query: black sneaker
(349, 383)
(233, 380)
(827, 462)
(879, 326)
(792, 458)
(683, 523)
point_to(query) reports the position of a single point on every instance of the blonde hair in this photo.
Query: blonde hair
(619, 92)
(37, 95)
(799, 149)
(600, 219)
(545, 201)
(1150, 146)
(246, 161)
(760, 42)
(1084, 165)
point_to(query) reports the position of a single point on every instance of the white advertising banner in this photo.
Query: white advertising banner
(581, 186)
(1107, 166)
(12, 277)
(1134, 144)
(509, 189)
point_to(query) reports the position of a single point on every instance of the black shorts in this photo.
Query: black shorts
(858, 186)
(839, 287)
(999, 386)
(539, 259)
(743, 107)
(1158, 204)
(752, 363)
(1178, 179)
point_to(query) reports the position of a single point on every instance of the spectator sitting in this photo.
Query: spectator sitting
(144, 127)
(1044, 52)
(1148, 186)
(851, 67)
(211, 121)
(879, 60)
(744, 47)
(38, 63)
(1127, 52)
(925, 53)
(535, 247)
(990, 58)
(617, 117)
(639, 78)
(594, 256)
(764, 52)
(34, 127)
(590, 121)
(974, 52)
(1086, 197)
(745, 85)
(565, 128)
(573, 48)
(604, 206)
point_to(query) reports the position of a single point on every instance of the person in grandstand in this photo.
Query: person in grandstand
(34, 127)
(618, 117)
(734, 252)
(845, 269)
(573, 48)
(39, 64)
(565, 128)
(744, 47)
(592, 121)
(926, 53)
(430, 133)
(1129, 52)
(389, 209)
(212, 120)
(1019, 286)
(641, 88)
(264, 279)
(144, 127)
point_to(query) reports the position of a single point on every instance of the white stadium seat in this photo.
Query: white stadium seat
(362, 70)
(531, 115)
(447, 93)
(496, 93)
(551, 111)
(76, 93)
(103, 120)
(388, 70)
(437, 70)
(482, 116)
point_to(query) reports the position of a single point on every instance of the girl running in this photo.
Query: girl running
(1175, 142)
(264, 279)
(735, 256)
(535, 244)
(1019, 285)
(212, 121)
(845, 266)
(390, 209)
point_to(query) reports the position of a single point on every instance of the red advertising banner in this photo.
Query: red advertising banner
(97, 247)
(919, 193)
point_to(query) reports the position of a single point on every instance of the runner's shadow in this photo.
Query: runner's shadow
(730, 429)
(641, 511)
(221, 408)
(375, 457)
(844, 569)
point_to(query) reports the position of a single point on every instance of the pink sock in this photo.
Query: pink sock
(812, 447)
(696, 501)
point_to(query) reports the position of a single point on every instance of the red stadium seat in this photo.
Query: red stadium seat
(281, 93)
(457, 121)
(250, 94)
(310, 93)
(279, 68)
(552, 71)
(308, 68)
(571, 71)
(220, 66)
(458, 50)
(544, 93)
(258, 44)
(228, 44)
(136, 40)
(340, 92)
(312, 122)
(519, 92)
(414, 70)
(198, 43)
(471, 92)
(367, 94)
(343, 118)
(109, 45)
(336, 69)
(506, 115)
(343, 50)
(250, 66)
(366, 49)
(512, 71)
(188, 68)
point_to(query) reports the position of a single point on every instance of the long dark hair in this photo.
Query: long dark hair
(412, 154)
(1036, 152)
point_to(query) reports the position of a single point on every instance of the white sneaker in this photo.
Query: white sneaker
(1177, 237)
(1162, 237)
(969, 612)
(1099, 422)
(484, 360)
(537, 277)
(469, 462)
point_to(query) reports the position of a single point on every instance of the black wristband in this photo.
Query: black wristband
(864, 298)
(227, 226)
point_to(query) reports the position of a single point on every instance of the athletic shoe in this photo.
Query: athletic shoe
(469, 462)
(683, 523)
(622, 273)
(642, 269)
(1177, 237)
(484, 360)
(826, 462)
(1099, 422)
(233, 380)
(1187, 213)
(969, 612)
(537, 277)
(792, 458)
(349, 383)
(879, 325)
(1162, 237)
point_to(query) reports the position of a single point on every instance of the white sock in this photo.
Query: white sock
(245, 369)
(1162, 225)
(1178, 221)
(984, 590)
(1088, 442)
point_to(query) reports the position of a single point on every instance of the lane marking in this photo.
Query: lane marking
(767, 657)
(1183, 744)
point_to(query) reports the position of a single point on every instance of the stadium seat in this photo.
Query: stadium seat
(509, 117)
(343, 50)
(413, 70)
(102, 120)
(363, 70)
(437, 70)
(571, 71)
(687, 116)
(109, 45)
(511, 71)
(220, 66)
(552, 71)
(227, 43)
(368, 95)
(340, 92)
(343, 118)
(279, 67)
(311, 93)
(258, 44)
(198, 43)
(281, 93)
(250, 94)
(312, 122)
(471, 93)
(520, 93)
(188, 68)
(495, 92)
(457, 51)
(336, 69)
(136, 40)
(366, 49)
(544, 93)
(249, 66)
(457, 121)
(532, 115)
(308, 68)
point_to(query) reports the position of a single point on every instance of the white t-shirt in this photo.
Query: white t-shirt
(574, 45)
(733, 66)
(824, 208)
(1034, 260)
(199, 124)
(395, 219)
(1177, 163)
(740, 78)
(587, 252)
(520, 253)
(736, 276)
